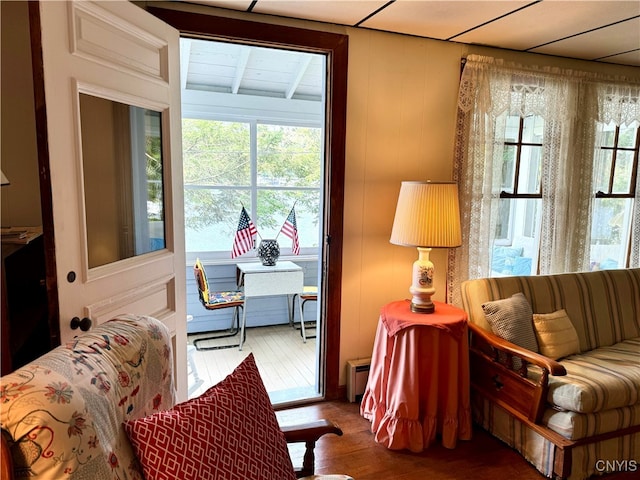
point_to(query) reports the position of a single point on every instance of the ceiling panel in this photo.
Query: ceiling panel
(344, 12)
(240, 69)
(524, 29)
(232, 4)
(618, 38)
(438, 19)
(528, 25)
(631, 58)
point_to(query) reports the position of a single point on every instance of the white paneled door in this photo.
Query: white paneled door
(112, 95)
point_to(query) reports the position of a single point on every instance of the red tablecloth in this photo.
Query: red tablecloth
(418, 383)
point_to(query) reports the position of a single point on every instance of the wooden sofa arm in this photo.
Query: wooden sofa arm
(493, 374)
(500, 344)
(309, 433)
(6, 461)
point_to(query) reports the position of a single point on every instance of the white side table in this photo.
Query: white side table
(284, 278)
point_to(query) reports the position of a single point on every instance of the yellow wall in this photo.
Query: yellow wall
(101, 176)
(400, 126)
(19, 157)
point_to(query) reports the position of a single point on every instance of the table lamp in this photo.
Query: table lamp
(4, 179)
(427, 216)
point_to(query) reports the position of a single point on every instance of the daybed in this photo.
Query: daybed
(572, 410)
(102, 407)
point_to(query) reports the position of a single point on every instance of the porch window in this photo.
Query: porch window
(265, 167)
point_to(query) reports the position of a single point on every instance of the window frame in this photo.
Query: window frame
(634, 169)
(519, 146)
(631, 193)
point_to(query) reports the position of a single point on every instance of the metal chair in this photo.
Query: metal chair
(216, 301)
(309, 293)
(194, 379)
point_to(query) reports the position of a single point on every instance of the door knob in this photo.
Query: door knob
(84, 324)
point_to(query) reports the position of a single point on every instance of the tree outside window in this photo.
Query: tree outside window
(265, 167)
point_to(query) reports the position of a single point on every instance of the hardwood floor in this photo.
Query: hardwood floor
(286, 365)
(357, 454)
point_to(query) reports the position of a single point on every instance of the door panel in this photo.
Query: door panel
(118, 52)
(130, 47)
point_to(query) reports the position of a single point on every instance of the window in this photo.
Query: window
(518, 223)
(533, 146)
(615, 175)
(268, 168)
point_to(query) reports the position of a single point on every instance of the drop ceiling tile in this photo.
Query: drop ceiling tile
(631, 58)
(619, 38)
(548, 21)
(438, 19)
(519, 25)
(231, 4)
(347, 12)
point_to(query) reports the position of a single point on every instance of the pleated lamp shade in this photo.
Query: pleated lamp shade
(427, 215)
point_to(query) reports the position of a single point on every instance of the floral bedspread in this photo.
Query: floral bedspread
(62, 414)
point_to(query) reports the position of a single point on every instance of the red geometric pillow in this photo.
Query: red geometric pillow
(230, 432)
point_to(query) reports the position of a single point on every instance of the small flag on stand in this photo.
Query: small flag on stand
(244, 239)
(290, 229)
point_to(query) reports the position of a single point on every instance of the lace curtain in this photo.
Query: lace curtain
(571, 104)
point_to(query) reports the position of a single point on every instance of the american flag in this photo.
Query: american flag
(290, 229)
(243, 241)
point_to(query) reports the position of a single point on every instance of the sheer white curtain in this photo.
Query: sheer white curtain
(619, 104)
(571, 104)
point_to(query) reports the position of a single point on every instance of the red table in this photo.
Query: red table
(418, 382)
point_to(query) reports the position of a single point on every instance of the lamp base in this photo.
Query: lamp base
(415, 308)
(422, 289)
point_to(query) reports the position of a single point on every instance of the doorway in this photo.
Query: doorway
(253, 140)
(335, 48)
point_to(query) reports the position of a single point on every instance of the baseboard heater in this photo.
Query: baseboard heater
(358, 373)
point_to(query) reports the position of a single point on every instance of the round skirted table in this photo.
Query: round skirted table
(418, 385)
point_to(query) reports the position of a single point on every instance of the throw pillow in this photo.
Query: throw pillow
(230, 432)
(512, 319)
(557, 337)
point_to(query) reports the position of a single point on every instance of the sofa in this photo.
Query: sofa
(568, 397)
(103, 407)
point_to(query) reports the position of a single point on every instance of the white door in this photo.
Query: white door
(111, 84)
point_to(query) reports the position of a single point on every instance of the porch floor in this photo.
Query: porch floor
(286, 364)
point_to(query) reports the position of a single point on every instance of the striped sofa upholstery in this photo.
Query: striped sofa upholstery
(589, 418)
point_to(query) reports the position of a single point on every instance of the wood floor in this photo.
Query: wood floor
(357, 454)
(286, 364)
